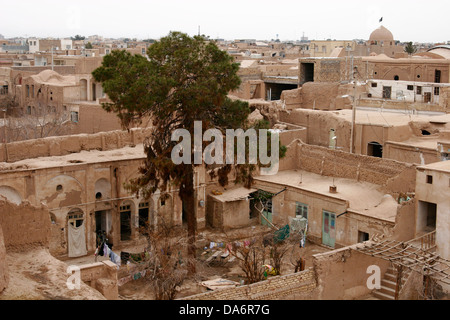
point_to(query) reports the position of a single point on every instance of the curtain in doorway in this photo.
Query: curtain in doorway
(77, 241)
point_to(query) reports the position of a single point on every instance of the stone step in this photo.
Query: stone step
(388, 283)
(383, 296)
(387, 290)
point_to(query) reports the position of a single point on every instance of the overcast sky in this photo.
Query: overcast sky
(408, 20)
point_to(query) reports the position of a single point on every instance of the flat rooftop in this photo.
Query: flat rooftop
(443, 166)
(363, 197)
(391, 117)
(83, 157)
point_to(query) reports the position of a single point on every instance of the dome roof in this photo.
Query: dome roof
(381, 34)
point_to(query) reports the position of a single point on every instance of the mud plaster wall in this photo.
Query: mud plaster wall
(320, 96)
(318, 126)
(24, 227)
(395, 176)
(93, 118)
(299, 285)
(411, 154)
(57, 146)
(342, 274)
(227, 215)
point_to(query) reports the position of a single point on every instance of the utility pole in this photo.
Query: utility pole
(352, 134)
(52, 59)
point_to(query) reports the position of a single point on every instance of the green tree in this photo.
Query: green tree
(186, 79)
(89, 45)
(410, 49)
(78, 37)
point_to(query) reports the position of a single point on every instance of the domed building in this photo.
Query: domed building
(381, 41)
(381, 35)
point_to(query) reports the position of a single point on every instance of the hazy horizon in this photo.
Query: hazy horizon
(248, 19)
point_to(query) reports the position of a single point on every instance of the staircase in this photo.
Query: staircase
(389, 282)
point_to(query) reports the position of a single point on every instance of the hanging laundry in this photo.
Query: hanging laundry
(115, 259)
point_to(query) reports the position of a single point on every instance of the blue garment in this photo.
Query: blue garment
(115, 258)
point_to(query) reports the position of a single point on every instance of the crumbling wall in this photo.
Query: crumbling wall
(298, 286)
(101, 276)
(57, 146)
(342, 274)
(24, 226)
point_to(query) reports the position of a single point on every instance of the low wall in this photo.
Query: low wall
(101, 276)
(342, 274)
(275, 288)
(321, 160)
(21, 228)
(58, 146)
(410, 153)
(24, 226)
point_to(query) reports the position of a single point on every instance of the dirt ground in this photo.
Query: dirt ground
(219, 267)
(37, 275)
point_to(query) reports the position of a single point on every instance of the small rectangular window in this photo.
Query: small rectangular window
(429, 179)
(374, 84)
(74, 116)
(301, 210)
(419, 90)
(436, 91)
(410, 87)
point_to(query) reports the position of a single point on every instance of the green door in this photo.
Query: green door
(329, 229)
(267, 213)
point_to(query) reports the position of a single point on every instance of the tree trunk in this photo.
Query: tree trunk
(187, 195)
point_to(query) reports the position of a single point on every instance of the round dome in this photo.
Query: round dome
(381, 34)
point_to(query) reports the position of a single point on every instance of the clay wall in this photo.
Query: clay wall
(410, 153)
(299, 285)
(405, 225)
(101, 276)
(418, 70)
(335, 69)
(57, 146)
(378, 171)
(342, 273)
(320, 96)
(222, 215)
(62, 70)
(24, 226)
(94, 119)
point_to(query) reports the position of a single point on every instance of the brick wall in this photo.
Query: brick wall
(275, 288)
